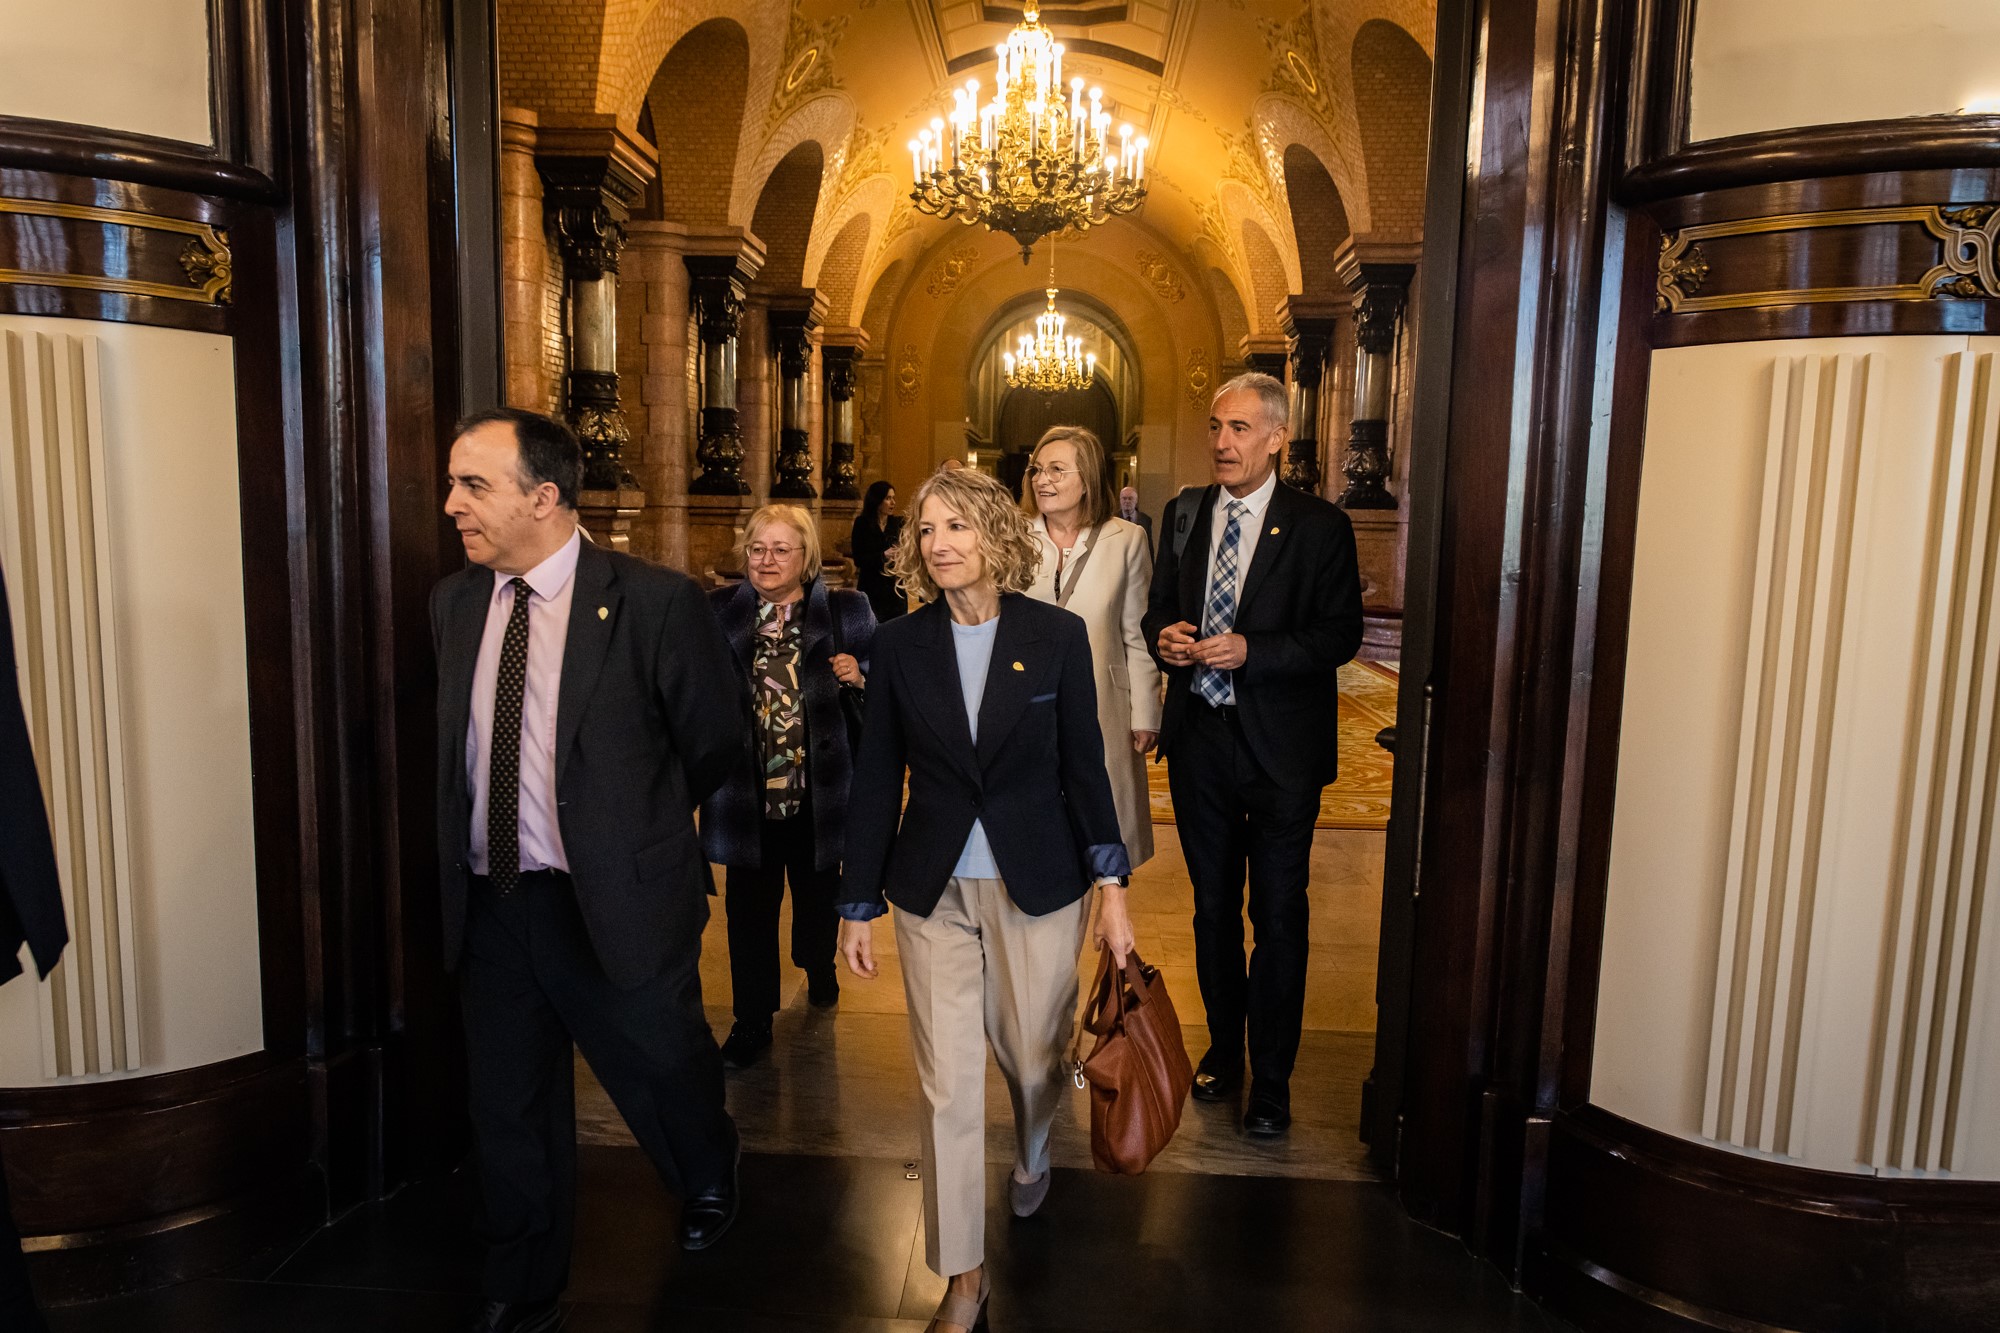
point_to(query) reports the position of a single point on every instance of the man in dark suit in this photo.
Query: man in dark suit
(586, 704)
(31, 913)
(1128, 509)
(1252, 618)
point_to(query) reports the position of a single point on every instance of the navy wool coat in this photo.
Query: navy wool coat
(732, 818)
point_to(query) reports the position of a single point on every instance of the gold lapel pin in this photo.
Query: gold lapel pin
(604, 613)
(1274, 532)
(1019, 667)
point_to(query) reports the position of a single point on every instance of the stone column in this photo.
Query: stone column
(524, 264)
(654, 278)
(841, 356)
(793, 319)
(721, 262)
(1379, 277)
(1309, 326)
(593, 171)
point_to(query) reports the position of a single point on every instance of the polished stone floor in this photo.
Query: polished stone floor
(834, 1245)
(1224, 1233)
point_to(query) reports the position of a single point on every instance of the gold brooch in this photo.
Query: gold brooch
(1274, 532)
(604, 613)
(1019, 667)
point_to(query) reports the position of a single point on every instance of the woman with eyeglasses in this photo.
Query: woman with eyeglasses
(781, 814)
(873, 540)
(1100, 567)
(986, 700)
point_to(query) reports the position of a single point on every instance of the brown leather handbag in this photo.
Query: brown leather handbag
(1137, 1070)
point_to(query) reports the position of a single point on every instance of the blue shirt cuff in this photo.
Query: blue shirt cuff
(860, 911)
(1107, 860)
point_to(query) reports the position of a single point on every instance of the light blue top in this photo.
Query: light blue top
(975, 653)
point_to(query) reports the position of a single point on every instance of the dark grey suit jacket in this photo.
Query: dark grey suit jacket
(650, 717)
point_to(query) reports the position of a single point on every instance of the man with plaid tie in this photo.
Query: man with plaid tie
(587, 702)
(1252, 616)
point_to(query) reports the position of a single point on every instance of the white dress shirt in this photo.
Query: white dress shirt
(550, 585)
(1250, 527)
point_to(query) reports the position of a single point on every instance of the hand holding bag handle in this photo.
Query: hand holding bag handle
(853, 702)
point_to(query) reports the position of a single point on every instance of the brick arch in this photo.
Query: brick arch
(1282, 121)
(1319, 220)
(872, 200)
(882, 297)
(698, 156)
(784, 217)
(1267, 273)
(549, 51)
(1230, 315)
(827, 121)
(1392, 89)
(840, 272)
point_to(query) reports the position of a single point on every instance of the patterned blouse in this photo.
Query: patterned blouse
(780, 706)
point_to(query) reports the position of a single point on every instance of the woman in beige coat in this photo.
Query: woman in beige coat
(1097, 565)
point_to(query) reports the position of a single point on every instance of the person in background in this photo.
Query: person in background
(1252, 619)
(586, 704)
(1128, 509)
(876, 529)
(1098, 567)
(781, 814)
(31, 913)
(984, 698)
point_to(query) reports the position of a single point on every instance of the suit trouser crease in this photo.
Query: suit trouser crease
(1235, 820)
(977, 970)
(752, 899)
(533, 992)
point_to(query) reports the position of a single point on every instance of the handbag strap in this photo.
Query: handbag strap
(1075, 567)
(1086, 996)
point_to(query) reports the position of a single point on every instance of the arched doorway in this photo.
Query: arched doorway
(1003, 423)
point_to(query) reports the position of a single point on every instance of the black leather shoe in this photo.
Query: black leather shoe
(1215, 1081)
(518, 1317)
(746, 1045)
(708, 1214)
(1269, 1113)
(823, 989)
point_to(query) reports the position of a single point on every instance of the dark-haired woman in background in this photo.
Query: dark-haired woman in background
(876, 529)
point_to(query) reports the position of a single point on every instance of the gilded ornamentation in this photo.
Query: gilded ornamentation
(808, 67)
(950, 271)
(1968, 267)
(1295, 60)
(1683, 269)
(1164, 277)
(1200, 376)
(205, 258)
(909, 374)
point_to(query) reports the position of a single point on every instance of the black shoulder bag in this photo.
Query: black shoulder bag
(853, 701)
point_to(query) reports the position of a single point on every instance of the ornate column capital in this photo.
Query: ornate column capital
(1266, 352)
(593, 172)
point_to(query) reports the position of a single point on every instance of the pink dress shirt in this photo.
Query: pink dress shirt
(551, 584)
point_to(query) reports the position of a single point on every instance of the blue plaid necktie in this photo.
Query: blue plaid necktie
(1219, 615)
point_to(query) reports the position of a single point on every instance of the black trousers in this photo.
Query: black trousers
(531, 986)
(1234, 818)
(752, 899)
(17, 1299)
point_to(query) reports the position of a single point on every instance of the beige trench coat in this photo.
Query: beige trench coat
(1110, 596)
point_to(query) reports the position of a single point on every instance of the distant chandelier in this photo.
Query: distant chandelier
(1029, 162)
(1048, 360)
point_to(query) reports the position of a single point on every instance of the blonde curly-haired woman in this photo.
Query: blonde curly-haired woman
(986, 699)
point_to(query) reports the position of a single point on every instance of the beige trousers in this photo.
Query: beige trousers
(979, 969)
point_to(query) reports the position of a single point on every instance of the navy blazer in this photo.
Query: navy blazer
(650, 717)
(1036, 779)
(732, 818)
(1300, 614)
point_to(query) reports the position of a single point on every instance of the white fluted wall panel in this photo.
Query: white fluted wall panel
(119, 540)
(1805, 835)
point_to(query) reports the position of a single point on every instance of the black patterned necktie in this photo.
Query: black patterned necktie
(503, 770)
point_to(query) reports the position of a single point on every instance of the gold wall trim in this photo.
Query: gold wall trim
(205, 259)
(1969, 267)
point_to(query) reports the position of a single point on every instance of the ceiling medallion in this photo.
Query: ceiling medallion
(1036, 158)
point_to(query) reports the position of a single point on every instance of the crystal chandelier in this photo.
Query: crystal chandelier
(1048, 360)
(1034, 160)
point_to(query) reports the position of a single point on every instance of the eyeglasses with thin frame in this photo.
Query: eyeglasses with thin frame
(759, 554)
(1055, 472)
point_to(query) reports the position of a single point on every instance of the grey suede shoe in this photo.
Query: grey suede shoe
(1027, 1198)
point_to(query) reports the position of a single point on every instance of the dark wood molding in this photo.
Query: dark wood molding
(1918, 143)
(1652, 1231)
(99, 154)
